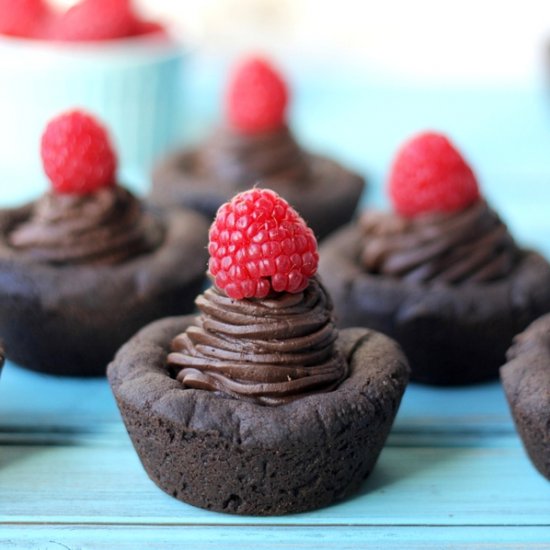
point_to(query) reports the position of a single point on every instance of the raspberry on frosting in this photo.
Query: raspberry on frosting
(77, 154)
(257, 97)
(430, 175)
(259, 244)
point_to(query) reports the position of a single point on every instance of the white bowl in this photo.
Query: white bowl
(132, 84)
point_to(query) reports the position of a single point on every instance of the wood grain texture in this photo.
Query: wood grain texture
(410, 486)
(453, 474)
(293, 537)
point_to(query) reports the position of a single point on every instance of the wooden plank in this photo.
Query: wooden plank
(292, 537)
(453, 474)
(116, 436)
(30, 399)
(410, 486)
(34, 402)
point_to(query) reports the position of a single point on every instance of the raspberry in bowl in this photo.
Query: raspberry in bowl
(440, 273)
(87, 264)
(259, 405)
(102, 55)
(255, 145)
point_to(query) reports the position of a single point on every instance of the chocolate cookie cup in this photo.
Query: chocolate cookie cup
(451, 286)
(452, 335)
(81, 271)
(70, 319)
(255, 145)
(2, 357)
(258, 405)
(327, 198)
(526, 381)
(231, 456)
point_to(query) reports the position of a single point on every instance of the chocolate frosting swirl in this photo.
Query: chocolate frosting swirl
(105, 227)
(269, 351)
(240, 160)
(472, 245)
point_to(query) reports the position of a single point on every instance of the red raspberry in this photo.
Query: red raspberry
(430, 175)
(257, 97)
(149, 27)
(259, 243)
(92, 20)
(23, 17)
(77, 154)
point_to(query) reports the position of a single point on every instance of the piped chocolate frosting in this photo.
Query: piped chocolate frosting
(104, 227)
(469, 246)
(269, 351)
(240, 160)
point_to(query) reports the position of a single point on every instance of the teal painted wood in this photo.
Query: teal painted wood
(410, 486)
(283, 537)
(453, 474)
(30, 401)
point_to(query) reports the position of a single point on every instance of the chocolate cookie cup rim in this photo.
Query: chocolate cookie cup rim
(70, 320)
(525, 379)
(175, 167)
(534, 339)
(326, 203)
(140, 266)
(348, 237)
(141, 364)
(528, 360)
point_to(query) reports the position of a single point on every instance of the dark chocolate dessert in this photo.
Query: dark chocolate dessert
(257, 146)
(289, 350)
(442, 275)
(87, 265)
(259, 405)
(526, 381)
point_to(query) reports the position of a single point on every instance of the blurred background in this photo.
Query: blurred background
(456, 42)
(486, 42)
(366, 75)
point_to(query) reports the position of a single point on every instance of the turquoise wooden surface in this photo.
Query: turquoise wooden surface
(453, 474)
